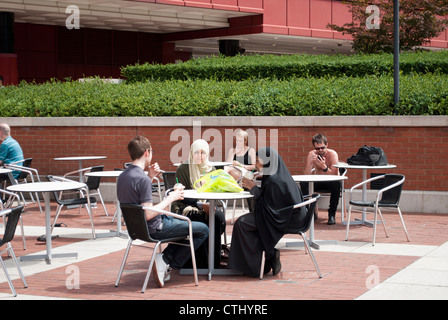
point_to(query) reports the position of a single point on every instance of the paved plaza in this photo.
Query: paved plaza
(354, 269)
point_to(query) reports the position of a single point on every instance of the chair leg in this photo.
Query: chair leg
(193, 258)
(348, 222)
(89, 211)
(22, 277)
(404, 226)
(58, 211)
(148, 273)
(23, 233)
(8, 278)
(263, 260)
(123, 262)
(383, 222)
(102, 202)
(307, 245)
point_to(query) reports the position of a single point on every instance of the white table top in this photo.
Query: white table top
(4, 170)
(45, 186)
(104, 174)
(193, 194)
(351, 166)
(317, 177)
(81, 158)
(213, 163)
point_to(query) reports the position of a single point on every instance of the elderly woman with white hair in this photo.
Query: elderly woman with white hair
(198, 165)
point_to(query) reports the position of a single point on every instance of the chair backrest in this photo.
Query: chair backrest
(93, 183)
(392, 196)
(135, 220)
(305, 223)
(11, 224)
(23, 174)
(169, 179)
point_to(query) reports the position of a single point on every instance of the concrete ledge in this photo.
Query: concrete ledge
(327, 121)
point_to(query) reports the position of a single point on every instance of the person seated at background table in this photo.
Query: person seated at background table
(135, 187)
(261, 230)
(197, 166)
(321, 160)
(10, 150)
(241, 156)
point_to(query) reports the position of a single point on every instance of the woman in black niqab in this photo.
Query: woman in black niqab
(273, 216)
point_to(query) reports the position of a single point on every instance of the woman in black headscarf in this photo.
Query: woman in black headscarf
(273, 216)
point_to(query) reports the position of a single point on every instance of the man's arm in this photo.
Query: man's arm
(309, 162)
(164, 204)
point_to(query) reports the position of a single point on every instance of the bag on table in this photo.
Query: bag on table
(368, 156)
(217, 181)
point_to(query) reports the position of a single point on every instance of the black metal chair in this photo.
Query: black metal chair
(386, 198)
(169, 180)
(83, 198)
(10, 197)
(311, 203)
(93, 183)
(135, 219)
(13, 216)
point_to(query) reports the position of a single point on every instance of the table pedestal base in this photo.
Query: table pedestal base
(314, 244)
(45, 257)
(113, 233)
(357, 222)
(219, 272)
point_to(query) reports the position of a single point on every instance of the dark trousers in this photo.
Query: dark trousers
(177, 255)
(332, 187)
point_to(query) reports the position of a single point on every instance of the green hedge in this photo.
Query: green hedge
(370, 95)
(284, 67)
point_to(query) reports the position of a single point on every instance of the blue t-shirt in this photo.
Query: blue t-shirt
(135, 187)
(10, 151)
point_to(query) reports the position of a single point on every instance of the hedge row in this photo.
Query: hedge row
(284, 67)
(370, 95)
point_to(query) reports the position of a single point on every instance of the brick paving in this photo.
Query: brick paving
(345, 274)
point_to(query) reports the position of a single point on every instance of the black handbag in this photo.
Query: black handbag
(368, 156)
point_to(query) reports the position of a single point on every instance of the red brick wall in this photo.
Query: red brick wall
(420, 153)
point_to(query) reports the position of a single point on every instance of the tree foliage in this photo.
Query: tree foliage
(420, 20)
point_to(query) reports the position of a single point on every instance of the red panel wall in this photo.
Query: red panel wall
(46, 52)
(8, 68)
(405, 147)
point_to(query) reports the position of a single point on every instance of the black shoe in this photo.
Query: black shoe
(331, 219)
(276, 264)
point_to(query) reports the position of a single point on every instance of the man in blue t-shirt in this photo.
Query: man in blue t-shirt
(10, 150)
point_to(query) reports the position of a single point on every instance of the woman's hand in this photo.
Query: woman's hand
(177, 194)
(248, 183)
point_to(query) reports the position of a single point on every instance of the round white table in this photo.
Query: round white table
(80, 159)
(212, 197)
(9, 173)
(46, 188)
(110, 174)
(213, 163)
(364, 169)
(311, 178)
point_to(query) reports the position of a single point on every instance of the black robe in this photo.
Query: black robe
(273, 216)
